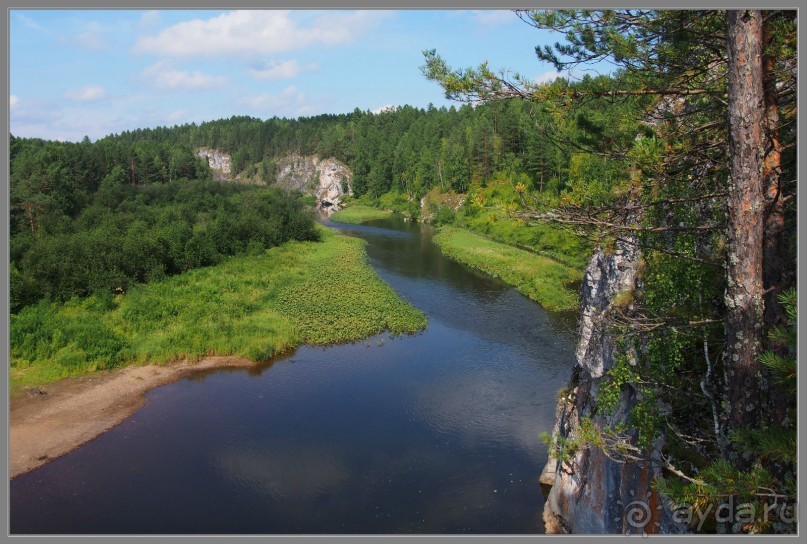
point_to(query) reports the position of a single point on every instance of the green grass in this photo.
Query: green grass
(253, 306)
(548, 240)
(358, 214)
(541, 279)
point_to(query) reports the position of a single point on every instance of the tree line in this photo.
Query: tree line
(100, 217)
(130, 207)
(405, 149)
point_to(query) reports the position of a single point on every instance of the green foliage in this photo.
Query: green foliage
(539, 278)
(717, 481)
(756, 505)
(765, 446)
(70, 336)
(783, 367)
(776, 444)
(358, 214)
(621, 374)
(613, 442)
(645, 419)
(254, 306)
(664, 354)
(152, 232)
(400, 203)
(561, 448)
(489, 211)
(592, 179)
(444, 216)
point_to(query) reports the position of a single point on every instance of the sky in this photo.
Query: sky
(88, 72)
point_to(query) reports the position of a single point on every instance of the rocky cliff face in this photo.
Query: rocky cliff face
(592, 492)
(327, 179)
(219, 162)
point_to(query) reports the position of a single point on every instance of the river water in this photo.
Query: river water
(435, 433)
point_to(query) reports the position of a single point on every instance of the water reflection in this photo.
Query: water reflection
(284, 472)
(432, 433)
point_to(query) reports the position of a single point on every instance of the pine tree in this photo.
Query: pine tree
(700, 79)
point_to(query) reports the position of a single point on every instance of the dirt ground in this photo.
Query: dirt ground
(57, 418)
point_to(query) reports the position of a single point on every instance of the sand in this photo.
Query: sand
(50, 421)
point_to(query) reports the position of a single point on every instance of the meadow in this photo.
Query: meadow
(254, 306)
(357, 214)
(548, 282)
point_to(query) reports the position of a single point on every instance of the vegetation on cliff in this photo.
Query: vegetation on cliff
(691, 143)
(686, 151)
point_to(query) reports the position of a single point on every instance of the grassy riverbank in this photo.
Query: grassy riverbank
(357, 214)
(548, 272)
(541, 279)
(252, 306)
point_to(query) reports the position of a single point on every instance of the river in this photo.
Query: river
(435, 433)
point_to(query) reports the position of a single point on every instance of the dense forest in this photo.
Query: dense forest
(81, 225)
(135, 206)
(660, 156)
(404, 149)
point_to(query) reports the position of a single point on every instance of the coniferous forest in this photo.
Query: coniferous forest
(679, 166)
(143, 192)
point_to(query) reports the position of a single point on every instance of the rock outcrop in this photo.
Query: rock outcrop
(592, 493)
(327, 179)
(219, 162)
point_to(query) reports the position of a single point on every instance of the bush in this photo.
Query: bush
(130, 236)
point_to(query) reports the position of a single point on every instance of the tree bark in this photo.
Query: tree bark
(746, 207)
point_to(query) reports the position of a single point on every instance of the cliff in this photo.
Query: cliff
(220, 163)
(327, 179)
(593, 492)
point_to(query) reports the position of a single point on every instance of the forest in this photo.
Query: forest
(660, 155)
(145, 193)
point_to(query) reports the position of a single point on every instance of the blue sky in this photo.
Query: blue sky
(87, 72)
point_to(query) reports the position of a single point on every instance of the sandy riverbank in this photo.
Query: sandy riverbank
(62, 416)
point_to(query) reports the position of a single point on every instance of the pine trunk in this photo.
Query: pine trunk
(746, 207)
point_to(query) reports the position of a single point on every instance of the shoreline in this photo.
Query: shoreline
(57, 418)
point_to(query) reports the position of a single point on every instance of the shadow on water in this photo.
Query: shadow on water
(431, 433)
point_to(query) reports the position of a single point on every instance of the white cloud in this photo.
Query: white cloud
(90, 93)
(256, 32)
(33, 117)
(163, 75)
(30, 23)
(547, 77)
(13, 100)
(177, 115)
(387, 107)
(551, 75)
(72, 121)
(288, 97)
(92, 38)
(149, 19)
(290, 102)
(493, 17)
(286, 69)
